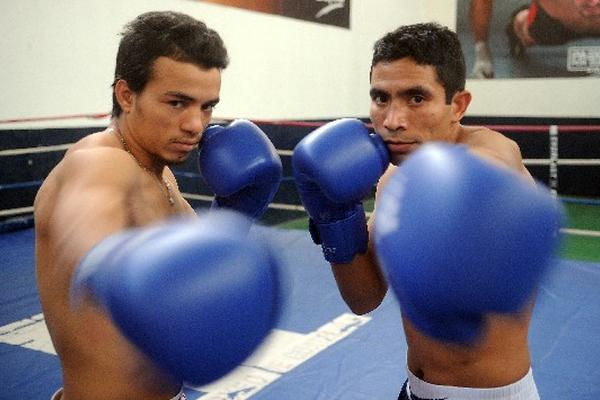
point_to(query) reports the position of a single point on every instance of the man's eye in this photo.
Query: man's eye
(176, 103)
(208, 107)
(417, 99)
(380, 99)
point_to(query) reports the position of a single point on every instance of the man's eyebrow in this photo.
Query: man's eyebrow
(416, 90)
(374, 92)
(212, 102)
(181, 96)
(187, 97)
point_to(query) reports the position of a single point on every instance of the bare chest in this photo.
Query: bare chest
(150, 201)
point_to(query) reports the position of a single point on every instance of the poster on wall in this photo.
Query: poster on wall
(329, 12)
(530, 39)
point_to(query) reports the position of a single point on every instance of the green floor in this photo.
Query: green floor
(579, 247)
(583, 247)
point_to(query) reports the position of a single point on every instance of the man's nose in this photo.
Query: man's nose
(396, 118)
(195, 122)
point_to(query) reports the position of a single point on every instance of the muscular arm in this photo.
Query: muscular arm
(83, 200)
(361, 282)
(91, 201)
(92, 194)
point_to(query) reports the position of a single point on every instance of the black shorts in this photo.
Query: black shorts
(405, 396)
(403, 393)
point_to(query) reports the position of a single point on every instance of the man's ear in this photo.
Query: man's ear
(460, 103)
(125, 96)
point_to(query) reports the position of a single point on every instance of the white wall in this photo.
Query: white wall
(57, 58)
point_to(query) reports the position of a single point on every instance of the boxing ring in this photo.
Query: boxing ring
(319, 350)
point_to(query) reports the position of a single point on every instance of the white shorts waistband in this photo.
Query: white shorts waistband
(523, 389)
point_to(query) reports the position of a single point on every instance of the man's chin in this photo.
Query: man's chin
(397, 159)
(178, 161)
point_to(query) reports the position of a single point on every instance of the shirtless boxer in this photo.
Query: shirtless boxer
(462, 342)
(113, 184)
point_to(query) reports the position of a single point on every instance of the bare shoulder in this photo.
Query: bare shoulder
(86, 179)
(485, 137)
(95, 156)
(83, 200)
(100, 164)
(98, 153)
(494, 147)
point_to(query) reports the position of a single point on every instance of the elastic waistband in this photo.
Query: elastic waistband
(523, 389)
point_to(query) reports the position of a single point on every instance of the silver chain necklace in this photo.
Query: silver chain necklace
(167, 185)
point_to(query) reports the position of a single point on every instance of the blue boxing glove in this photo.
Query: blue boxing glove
(240, 164)
(199, 291)
(459, 238)
(335, 167)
